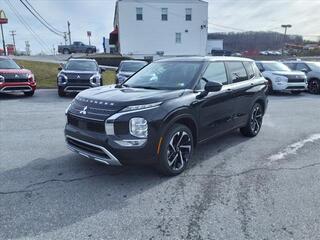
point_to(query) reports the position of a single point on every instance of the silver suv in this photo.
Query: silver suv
(311, 69)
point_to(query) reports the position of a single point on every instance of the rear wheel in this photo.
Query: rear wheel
(61, 92)
(253, 126)
(29, 94)
(314, 86)
(270, 87)
(66, 51)
(176, 150)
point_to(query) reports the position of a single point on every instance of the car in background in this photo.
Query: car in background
(127, 68)
(77, 75)
(76, 47)
(311, 69)
(282, 78)
(163, 111)
(14, 79)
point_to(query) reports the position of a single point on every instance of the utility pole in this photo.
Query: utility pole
(27, 48)
(3, 42)
(13, 33)
(69, 33)
(285, 26)
(65, 38)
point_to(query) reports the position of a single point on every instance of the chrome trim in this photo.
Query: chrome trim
(83, 88)
(3, 89)
(112, 160)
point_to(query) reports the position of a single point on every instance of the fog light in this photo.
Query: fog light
(131, 143)
(138, 127)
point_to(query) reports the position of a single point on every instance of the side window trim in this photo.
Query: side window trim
(250, 63)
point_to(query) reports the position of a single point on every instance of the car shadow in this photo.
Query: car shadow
(48, 194)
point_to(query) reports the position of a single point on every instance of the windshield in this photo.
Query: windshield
(315, 66)
(275, 66)
(166, 75)
(81, 66)
(132, 66)
(8, 64)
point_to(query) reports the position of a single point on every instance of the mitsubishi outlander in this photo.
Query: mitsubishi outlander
(160, 114)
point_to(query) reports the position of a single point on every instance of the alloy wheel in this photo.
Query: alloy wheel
(256, 119)
(179, 150)
(314, 87)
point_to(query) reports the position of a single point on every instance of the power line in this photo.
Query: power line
(27, 26)
(41, 21)
(43, 18)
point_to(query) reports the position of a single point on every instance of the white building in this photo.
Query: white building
(155, 28)
(214, 44)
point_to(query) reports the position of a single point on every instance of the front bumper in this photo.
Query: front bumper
(14, 87)
(285, 86)
(104, 148)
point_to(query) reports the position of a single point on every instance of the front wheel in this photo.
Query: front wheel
(176, 150)
(254, 124)
(314, 86)
(270, 88)
(29, 94)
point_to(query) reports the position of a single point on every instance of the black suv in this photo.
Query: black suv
(77, 75)
(163, 111)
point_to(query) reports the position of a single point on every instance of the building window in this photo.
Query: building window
(178, 37)
(139, 14)
(188, 14)
(164, 14)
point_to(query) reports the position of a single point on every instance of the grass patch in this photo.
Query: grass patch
(46, 73)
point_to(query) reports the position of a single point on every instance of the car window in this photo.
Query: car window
(249, 68)
(290, 65)
(215, 72)
(302, 66)
(81, 66)
(8, 64)
(131, 66)
(260, 67)
(237, 72)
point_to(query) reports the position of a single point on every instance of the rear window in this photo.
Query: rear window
(249, 68)
(237, 72)
(81, 66)
(132, 66)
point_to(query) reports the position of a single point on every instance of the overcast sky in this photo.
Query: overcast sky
(97, 16)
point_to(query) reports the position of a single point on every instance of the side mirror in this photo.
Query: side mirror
(59, 68)
(102, 70)
(304, 70)
(213, 87)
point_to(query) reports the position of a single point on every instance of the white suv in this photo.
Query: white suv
(282, 78)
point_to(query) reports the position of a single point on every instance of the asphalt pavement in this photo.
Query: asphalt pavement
(266, 187)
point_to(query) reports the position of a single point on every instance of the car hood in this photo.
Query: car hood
(18, 71)
(128, 96)
(287, 73)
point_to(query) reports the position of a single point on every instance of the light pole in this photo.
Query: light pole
(285, 26)
(3, 20)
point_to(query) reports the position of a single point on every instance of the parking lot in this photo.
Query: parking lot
(267, 187)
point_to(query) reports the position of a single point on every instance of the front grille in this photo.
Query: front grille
(78, 76)
(86, 124)
(18, 88)
(12, 77)
(87, 148)
(93, 109)
(78, 81)
(296, 80)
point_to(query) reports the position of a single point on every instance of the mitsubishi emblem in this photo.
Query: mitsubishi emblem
(78, 76)
(84, 111)
(16, 76)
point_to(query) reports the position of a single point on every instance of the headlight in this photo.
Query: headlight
(1, 79)
(31, 77)
(95, 80)
(141, 107)
(138, 127)
(62, 79)
(121, 78)
(67, 110)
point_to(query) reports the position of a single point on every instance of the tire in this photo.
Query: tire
(295, 92)
(254, 124)
(176, 150)
(61, 92)
(270, 87)
(29, 94)
(66, 51)
(314, 86)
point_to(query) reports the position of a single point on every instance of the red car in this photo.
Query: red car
(15, 79)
